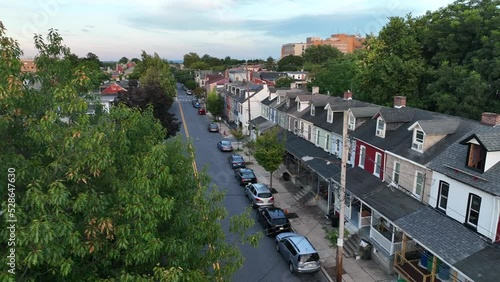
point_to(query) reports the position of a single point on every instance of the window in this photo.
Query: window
(338, 146)
(301, 127)
(295, 125)
(418, 140)
(395, 172)
(298, 106)
(317, 138)
(477, 157)
(419, 184)
(380, 132)
(309, 129)
(312, 110)
(327, 142)
(290, 123)
(362, 155)
(473, 210)
(378, 164)
(442, 201)
(352, 122)
(329, 118)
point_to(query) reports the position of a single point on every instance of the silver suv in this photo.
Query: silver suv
(299, 253)
(259, 194)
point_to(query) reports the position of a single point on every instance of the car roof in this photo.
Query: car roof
(261, 187)
(276, 212)
(302, 244)
(236, 156)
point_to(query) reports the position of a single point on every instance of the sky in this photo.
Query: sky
(241, 29)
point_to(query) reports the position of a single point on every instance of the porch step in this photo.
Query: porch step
(304, 195)
(351, 246)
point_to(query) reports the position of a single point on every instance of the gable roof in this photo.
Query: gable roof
(398, 115)
(360, 112)
(437, 126)
(212, 78)
(489, 138)
(113, 89)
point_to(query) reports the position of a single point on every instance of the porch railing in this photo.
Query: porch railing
(400, 260)
(365, 221)
(381, 240)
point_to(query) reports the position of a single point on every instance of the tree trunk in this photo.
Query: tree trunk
(271, 181)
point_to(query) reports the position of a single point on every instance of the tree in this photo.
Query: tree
(199, 66)
(199, 92)
(237, 133)
(270, 64)
(321, 54)
(98, 198)
(337, 76)
(190, 84)
(191, 58)
(290, 63)
(285, 81)
(215, 104)
(156, 71)
(123, 60)
(269, 151)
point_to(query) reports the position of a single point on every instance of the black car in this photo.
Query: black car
(273, 220)
(236, 161)
(245, 176)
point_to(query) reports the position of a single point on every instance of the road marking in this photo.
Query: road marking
(216, 265)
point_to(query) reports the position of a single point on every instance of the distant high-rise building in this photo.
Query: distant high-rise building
(344, 42)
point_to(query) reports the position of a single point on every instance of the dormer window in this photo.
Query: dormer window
(312, 110)
(279, 100)
(329, 117)
(380, 132)
(298, 106)
(477, 156)
(352, 122)
(287, 103)
(418, 140)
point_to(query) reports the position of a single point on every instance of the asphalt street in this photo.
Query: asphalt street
(262, 263)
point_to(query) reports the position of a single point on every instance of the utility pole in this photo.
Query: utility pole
(340, 239)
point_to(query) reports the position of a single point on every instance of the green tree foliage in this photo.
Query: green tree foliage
(237, 133)
(270, 64)
(200, 66)
(337, 75)
(215, 104)
(191, 58)
(190, 84)
(320, 54)
(156, 71)
(123, 60)
(182, 76)
(135, 60)
(98, 199)
(285, 81)
(269, 150)
(199, 92)
(290, 63)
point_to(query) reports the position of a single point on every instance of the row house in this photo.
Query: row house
(200, 76)
(267, 77)
(405, 195)
(301, 77)
(214, 82)
(242, 103)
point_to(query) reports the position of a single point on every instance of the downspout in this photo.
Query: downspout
(495, 218)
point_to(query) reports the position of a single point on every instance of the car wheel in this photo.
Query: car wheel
(290, 267)
(277, 248)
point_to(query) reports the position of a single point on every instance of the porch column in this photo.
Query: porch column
(403, 246)
(434, 266)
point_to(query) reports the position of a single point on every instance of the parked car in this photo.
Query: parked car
(273, 220)
(245, 176)
(298, 252)
(225, 146)
(259, 195)
(213, 127)
(236, 161)
(202, 111)
(189, 92)
(195, 103)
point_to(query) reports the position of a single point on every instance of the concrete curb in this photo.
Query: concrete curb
(326, 274)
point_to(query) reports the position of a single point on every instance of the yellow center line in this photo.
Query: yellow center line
(216, 265)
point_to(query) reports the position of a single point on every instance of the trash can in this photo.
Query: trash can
(334, 218)
(365, 250)
(286, 176)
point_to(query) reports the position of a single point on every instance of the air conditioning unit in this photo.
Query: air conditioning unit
(380, 132)
(417, 146)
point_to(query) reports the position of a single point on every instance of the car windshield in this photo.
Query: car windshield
(265, 195)
(247, 174)
(213, 125)
(225, 143)
(237, 159)
(279, 221)
(309, 257)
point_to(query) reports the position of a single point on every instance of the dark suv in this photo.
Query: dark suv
(245, 176)
(273, 220)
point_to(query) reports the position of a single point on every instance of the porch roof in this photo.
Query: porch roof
(483, 266)
(323, 163)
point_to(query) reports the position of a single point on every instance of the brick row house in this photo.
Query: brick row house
(422, 187)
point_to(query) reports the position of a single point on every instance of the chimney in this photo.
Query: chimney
(293, 85)
(315, 90)
(399, 102)
(348, 95)
(492, 119)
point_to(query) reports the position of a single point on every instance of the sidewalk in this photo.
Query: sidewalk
(310, 221)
